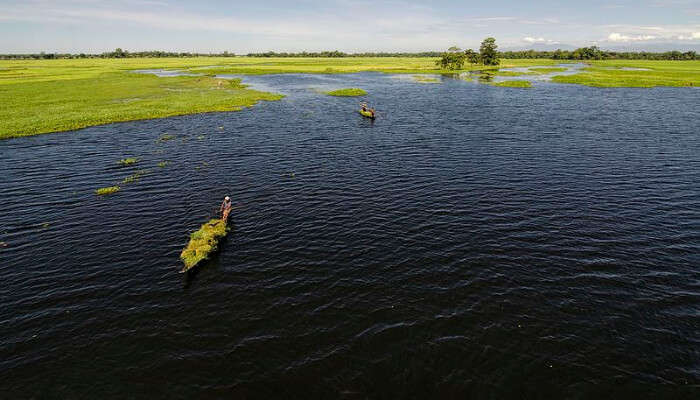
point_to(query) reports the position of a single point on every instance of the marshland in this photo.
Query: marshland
(521, 230)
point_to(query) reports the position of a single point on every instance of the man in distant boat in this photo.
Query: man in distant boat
(225, 209)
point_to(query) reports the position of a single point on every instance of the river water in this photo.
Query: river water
(473, 241)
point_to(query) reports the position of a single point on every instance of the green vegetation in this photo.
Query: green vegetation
(203, 243)
(52, 95)
(547, 70)
(107, 190)
(350, 92)
(659, 73)
(59, 95)
(514, 84)
(165, 137)
(425, 79)
(488, 54)
(133, 178)
(125, 162)
(163, 164)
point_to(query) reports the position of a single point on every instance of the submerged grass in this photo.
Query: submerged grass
(203, 243)
(349, 92)
(514, 84)
(425, 79)
(107, 190)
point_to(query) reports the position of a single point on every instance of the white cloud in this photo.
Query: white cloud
(534, 40)
(692, 36)
(618, 37)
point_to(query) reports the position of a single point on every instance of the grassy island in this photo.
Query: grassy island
(350, 92)
(203, 243)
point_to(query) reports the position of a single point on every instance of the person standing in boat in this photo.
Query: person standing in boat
(225, 209)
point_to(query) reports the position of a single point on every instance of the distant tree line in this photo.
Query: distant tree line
(594, 53)
(584, 53)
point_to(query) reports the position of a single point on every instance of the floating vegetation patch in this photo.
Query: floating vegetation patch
(133, 178)
(425, 79)
(125, 162)
(514, 84)
(163, 164)
(107, 190)
(349, 92)
(203, 243)
(165, 137)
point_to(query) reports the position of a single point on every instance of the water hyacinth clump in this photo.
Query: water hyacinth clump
(125, 162)
(203, 243)
(107, 190)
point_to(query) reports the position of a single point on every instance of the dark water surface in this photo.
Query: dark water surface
(473, 242)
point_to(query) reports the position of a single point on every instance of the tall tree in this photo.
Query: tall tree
(489, 52)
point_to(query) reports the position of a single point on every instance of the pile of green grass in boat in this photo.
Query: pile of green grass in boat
(514, 84)
(203, 243)
(349, 92)
(107, 190)
(125, 162)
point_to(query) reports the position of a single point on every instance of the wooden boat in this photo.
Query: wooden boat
(368, 114)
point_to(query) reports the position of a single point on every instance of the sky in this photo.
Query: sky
(94, 26)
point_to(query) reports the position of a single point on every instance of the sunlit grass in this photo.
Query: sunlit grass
(203, 243)
(660, 73)
(36, 105)
(350, 92)
(107, 190)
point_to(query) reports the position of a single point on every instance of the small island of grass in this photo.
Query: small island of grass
(203, 243)
(514, 84)
(349, 92)
(107, 190)
(125, 162)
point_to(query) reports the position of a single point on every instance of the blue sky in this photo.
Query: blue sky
(357, 25)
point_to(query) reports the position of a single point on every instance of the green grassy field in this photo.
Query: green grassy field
(659, 73)
(42, 96)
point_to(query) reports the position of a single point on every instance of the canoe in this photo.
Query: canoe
(203, 243)
(367, 114)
